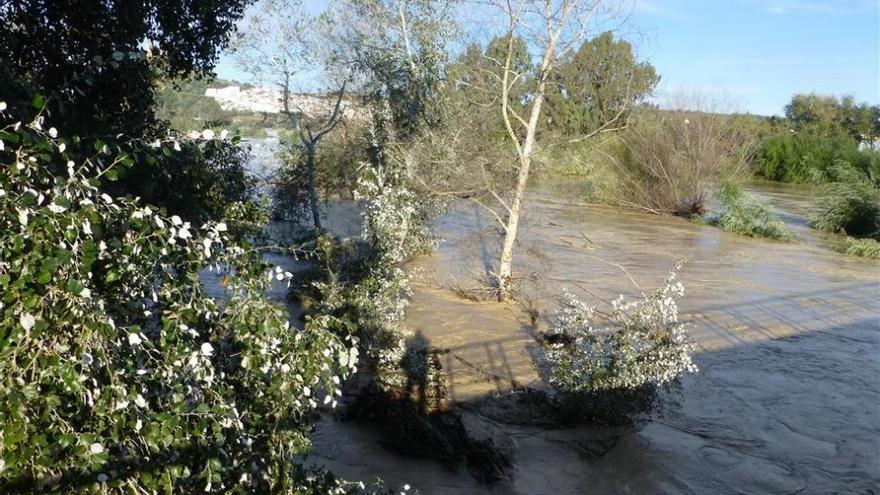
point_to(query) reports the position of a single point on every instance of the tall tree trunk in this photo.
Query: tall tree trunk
(285, 95)
(505, 266)
(313, 194)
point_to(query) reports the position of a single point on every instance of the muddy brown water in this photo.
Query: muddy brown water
(787, 399)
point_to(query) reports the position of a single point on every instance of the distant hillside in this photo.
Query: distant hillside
(184, 104)
(247, 98)
(251, 111)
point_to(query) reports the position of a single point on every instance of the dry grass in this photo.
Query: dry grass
(667, 160)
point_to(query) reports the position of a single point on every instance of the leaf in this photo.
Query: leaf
(74, 287)
(38, 101)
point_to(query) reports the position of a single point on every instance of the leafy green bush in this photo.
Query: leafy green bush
(864, 248)
(195, 176)
(118, 374)
(807, 158)
(620, 366)
(852, 209)
(743, 213)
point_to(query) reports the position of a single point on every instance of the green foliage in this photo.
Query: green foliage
(863, 248)
(195, 176)
(831, 116)
(400, 49)
(598, 85)
(744, 214)
(852, 209)
(118, 373)
(808, 158)
(90, 60)
(474, 87)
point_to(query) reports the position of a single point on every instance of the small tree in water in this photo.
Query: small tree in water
(275, 45)
(549, 31)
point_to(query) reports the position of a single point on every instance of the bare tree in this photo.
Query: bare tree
(552, 28)
(269, 44)
(309, 139)
(274, 44)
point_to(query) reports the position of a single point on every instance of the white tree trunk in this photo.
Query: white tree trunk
(505, 266)
(557, 19)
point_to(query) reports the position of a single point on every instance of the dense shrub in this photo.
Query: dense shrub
(97, 61)
(665, 161)
(395, 219)
(195, 176)
(744, 214)
(863, 248)
(852, 209)
(117, 373)
(337, 168)
(808, 158)
(620, 363)
(360, 280)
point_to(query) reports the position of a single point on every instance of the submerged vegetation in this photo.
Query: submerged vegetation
(743, 213)
(863, 248)
(665, 162)
(854, 211)
(616, 367)
(851, 209)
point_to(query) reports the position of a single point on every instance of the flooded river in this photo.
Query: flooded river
(787, 399)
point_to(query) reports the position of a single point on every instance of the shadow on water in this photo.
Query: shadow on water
(485, 256)
(797, 414)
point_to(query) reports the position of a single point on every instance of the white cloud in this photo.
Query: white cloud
(824, 7)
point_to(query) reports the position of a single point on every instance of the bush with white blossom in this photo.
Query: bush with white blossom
(118, 374)
(395, 218)
(638, 344)
(366, 283)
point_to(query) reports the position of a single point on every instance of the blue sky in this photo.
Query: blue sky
(757, 53)
(753, 54)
